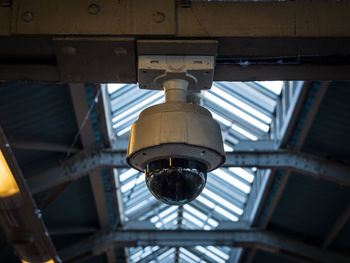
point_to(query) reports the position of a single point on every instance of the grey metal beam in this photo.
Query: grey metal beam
(253, 72)
(81, 108)
(337, 226)
(260, 145)
(303, 163)
(77, 166)
(287, 134)
(275, 19)
(42, 146)
(294, 43)
(160, 17)
(86, 161)
(112, 141)
(303, 133)
(73, 230)
(189, 238)
(224, 71)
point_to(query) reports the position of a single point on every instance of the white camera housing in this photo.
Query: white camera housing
(175, 130)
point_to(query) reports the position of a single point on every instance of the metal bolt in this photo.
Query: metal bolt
(94, 9)
(158, 17)
(74, 77)
(27, 16)
(69, 50)
(38, 213)
(120, 51)
(5, 2)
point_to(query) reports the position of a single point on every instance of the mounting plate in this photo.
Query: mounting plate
(153, 71)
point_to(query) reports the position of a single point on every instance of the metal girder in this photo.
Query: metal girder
(189, 238)
(302, 136)
(77, 59)
(42, 146)
(222, 19)
(287, 135)
(304, 163)
(81, 109)
(86, 162)
(286, 40)
(107, 17)
(260, 145)
(161, 17)
(282, 130)
(77, 166)
(336, 227)
(73, 230)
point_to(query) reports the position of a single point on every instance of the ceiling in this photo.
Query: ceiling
(69, 130)
(34, 113)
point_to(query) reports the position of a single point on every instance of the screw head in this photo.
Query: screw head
(120, 51)
(158, 17)
(69, 50)
(28, 16)
(94, 9)
(74, 78)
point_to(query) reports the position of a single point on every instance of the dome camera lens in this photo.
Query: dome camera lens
(176, 181)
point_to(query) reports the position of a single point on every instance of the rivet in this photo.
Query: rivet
(74, 77)
(28, 16)
(158, 17)
(94, 9)
(120, 51)
(69, 50)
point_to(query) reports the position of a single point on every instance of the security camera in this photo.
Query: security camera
(175, 143)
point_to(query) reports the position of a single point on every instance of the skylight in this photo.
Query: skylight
(244, 132)
(240, 104)
(230, 179)
(210, 254)
(114, 87)
(234, 110)
(227, 148)
(274, 86)
(138, 106)
(242, 173)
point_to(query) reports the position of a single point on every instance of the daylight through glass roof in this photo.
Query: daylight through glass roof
(245, 111)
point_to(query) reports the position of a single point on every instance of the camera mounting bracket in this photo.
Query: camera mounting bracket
(153, 71)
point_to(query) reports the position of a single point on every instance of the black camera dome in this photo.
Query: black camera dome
(176, 181)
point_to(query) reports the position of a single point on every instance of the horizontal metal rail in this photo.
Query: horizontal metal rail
(190, 238)
(87, 161)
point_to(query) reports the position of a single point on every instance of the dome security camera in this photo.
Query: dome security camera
(175, 143)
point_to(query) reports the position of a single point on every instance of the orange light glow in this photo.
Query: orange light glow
(49, 261)
(8, 185)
